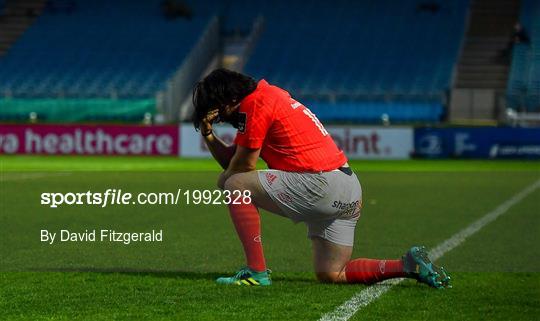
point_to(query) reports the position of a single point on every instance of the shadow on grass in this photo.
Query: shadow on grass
(138, 272)
(280, 277)
(186, 275)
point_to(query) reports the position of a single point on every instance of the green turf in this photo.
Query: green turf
(89, 163)
(496, 272)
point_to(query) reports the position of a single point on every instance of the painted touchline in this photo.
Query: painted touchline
(365, 297)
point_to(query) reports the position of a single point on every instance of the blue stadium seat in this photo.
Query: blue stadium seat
(371, 56)
(372, 111)
(97, 48)
(523, 91)
(375, 50)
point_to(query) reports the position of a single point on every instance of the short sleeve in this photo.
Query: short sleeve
(255, 120)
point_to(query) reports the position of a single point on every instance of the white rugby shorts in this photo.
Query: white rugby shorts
(328, 203)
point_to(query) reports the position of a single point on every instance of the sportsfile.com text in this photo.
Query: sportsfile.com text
(120, 197)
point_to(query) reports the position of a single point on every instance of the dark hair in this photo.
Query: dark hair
(220, 88)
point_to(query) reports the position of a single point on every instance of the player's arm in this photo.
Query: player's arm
(243, 160)
(221, 152)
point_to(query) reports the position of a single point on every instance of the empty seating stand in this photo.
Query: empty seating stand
(377, 54)
(347, 60)
(98, 49)
(523, 91)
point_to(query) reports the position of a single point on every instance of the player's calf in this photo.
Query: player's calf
(370, 271)
(415, 264)
(246, 219)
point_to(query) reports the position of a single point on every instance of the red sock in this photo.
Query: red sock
(248, 227)
(369, 271)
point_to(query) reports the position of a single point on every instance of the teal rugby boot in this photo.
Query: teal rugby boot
(247, 276)
(418, 265)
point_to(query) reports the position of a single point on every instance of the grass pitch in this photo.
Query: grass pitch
(496, 272)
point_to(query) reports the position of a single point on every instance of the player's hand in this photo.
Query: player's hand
(207, 121)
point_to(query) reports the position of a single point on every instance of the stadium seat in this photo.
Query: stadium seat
(373, 112)
(523, 91)
(361, 59)
(98, 48)
(377, 51)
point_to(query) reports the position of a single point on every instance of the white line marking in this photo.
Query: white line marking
(372, 293)
(7, 177)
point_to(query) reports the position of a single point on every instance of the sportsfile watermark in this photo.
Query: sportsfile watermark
(112, 196)
(102, 235)
(171, 220)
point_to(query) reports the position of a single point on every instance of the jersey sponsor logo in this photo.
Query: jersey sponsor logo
(270, 178)
(242, 122)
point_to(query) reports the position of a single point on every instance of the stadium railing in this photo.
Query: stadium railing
(180, 84)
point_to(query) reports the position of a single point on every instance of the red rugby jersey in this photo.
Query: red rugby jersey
(290, 136)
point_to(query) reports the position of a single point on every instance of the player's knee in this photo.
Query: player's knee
(328, 277)
(235, 182)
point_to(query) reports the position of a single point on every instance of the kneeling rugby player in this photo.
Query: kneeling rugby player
(309, 181)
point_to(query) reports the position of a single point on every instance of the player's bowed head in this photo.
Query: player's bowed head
(217, 97)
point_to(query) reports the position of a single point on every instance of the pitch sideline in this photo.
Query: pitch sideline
(10, 176)
(363, 298)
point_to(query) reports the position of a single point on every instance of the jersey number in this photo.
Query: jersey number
(295, 104)
(316, 121)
